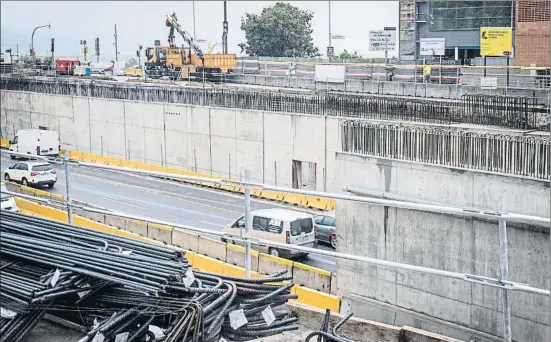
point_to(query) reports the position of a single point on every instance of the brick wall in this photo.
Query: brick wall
(533, 33)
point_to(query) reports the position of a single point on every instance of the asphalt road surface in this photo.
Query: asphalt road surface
(162, 200)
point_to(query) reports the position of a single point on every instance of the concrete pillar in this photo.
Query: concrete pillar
(456, 53)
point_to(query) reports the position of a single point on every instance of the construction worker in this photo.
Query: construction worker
(426, 74)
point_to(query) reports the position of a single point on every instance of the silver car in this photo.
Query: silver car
(326, 229)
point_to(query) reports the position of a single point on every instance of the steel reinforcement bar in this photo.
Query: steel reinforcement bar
(498, 112)
(526, 156)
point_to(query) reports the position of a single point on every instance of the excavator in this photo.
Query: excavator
(186, 62)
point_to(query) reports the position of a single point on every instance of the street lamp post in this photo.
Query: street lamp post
(32, 40)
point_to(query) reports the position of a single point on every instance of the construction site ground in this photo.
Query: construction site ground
(47, 331)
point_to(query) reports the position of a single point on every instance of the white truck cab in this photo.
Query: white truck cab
(36, 142)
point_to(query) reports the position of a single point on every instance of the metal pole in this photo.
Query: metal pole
(329, 24)
(248, 224)
(504, 265)
(68, 187)
(32, 42)
(194, 37)
(116, 46)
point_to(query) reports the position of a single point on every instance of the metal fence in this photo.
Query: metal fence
(369, 106)
(517, 155)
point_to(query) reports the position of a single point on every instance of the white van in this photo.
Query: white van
(36, 142)
(279, 225)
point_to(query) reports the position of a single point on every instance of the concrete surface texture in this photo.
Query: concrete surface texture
(214, 140)
(450, 307)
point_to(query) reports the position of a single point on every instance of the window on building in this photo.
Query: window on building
(469, 15)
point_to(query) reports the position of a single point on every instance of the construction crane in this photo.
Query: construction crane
(172, 22)
(225, 31)
(180, 63)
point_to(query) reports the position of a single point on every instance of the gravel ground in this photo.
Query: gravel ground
(46, 331)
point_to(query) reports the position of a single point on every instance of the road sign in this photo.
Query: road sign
(496, 41)
(488, 83)
(330, 51)
(382, 40)
(432, 47)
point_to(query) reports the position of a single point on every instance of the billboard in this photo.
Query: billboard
(496, 41)
(329, 73)
(382, 40)
(432, 47)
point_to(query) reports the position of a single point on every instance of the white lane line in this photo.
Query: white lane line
(123, 203)
(152, 204)
(217, 225)
(146, 190)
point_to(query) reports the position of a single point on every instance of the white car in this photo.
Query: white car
(7, 200)
(32, 174)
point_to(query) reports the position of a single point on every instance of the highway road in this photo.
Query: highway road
(163, 200)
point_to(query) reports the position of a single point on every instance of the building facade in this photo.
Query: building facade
(458, 22)
(533, 33)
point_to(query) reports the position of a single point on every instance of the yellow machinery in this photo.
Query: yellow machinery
(179, 62)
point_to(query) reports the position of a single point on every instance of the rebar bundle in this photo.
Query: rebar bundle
(119, 289)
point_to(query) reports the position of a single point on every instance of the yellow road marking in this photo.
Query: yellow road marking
(155, 193)
(123, 203)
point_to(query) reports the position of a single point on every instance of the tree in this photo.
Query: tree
(131, 62)
(282, 30)
(347, 55)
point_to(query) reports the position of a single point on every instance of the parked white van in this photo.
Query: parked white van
(36, 142)
(279, 225)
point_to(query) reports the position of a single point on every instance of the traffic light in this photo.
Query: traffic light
(52, 45)
(97, 46)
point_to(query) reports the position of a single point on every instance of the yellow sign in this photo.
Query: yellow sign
(496, 41)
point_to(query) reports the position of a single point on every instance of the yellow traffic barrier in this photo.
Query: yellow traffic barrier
(316, 298)
(294, 199)
(208, 264)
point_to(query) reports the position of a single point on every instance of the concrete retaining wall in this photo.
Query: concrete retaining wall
(450, 307)
(217, 141)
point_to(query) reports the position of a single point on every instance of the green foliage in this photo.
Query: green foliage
(347, 55)
(282, 30)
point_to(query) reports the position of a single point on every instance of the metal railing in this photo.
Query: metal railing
(245, 236)
(526, 156)
(507, 77)
(498, 112)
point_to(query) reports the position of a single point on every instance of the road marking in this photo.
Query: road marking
(219, 192)
(155, 193)
(123, 203)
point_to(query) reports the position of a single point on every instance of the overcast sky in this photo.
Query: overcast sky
(141, 22)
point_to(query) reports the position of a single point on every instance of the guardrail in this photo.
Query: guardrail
(519, 77)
